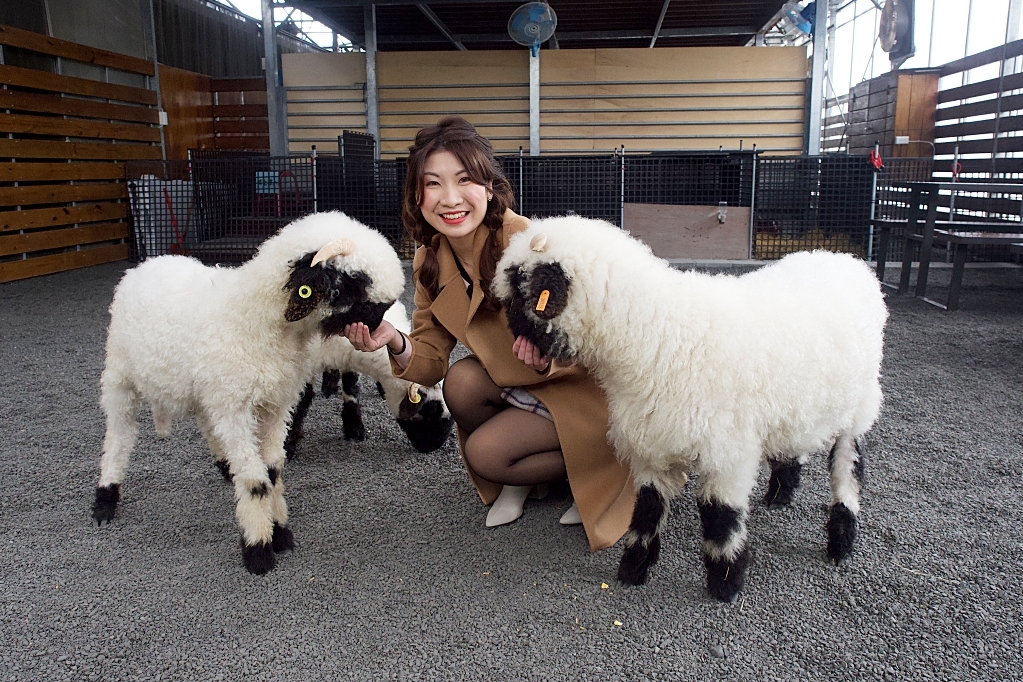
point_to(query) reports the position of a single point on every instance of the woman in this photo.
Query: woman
(522, 420)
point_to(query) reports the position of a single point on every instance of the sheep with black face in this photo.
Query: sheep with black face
(231, 346)
(710, 375)
(419, 410)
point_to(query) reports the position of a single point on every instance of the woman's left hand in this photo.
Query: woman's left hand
(530, 355)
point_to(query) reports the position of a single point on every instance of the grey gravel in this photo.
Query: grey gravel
(395, 576)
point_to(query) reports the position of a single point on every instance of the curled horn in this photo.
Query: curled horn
(338, 247)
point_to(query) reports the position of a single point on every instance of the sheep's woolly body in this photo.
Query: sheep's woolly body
(214, 342)
(711, 374)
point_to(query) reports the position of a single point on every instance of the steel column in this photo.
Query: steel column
(276, 106)
(369, 14)
(820, 39)
(534, 104)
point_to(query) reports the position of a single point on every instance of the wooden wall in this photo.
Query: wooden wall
(63, 199)
(590, 100)
(187, 97)
(240, 114)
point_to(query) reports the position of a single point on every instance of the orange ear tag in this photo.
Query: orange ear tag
(542, 301)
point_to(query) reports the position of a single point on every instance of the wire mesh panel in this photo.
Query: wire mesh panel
(367, 190)
(545, 186)
(816, 202)
(691, 179)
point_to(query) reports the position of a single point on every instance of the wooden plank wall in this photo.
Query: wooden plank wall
(240, 114)
(590, 100)
(187, 97)
(63, 144)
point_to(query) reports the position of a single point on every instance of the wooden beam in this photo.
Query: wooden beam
(11, 244)
(239, 111)
(67, 215)
(25, 172)
(16, 100)
(253, 142)
(58, 194)
(46, 149)
(46, 265)
(70, 127)
(256, 126)
(239, 85)
(40, 80)
(29, 40)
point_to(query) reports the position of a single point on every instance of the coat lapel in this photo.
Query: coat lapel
(451, 307)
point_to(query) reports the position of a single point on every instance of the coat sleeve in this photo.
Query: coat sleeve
(431, 343)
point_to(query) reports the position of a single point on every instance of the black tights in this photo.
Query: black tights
(505, 445)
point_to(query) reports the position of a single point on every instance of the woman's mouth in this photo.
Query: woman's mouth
(454, 218)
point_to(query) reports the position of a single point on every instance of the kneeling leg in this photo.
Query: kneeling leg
(643, 540)
(846, 465)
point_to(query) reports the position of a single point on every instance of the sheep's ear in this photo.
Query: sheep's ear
(548, 290)
(308, 286)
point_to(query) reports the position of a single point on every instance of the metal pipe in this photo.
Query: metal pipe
(660, 20)
(275, 103)
(820, 38)
(369, 16)
(313, 162)
(534, 104)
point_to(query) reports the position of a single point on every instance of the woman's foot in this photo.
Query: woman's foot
(508, 505)
(571, 517)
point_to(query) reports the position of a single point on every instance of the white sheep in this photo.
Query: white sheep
(426, 421)
(708, 375)
(232, 347)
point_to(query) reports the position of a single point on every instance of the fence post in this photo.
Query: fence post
(522, 205)
(621, 206)
(315, 203)
(752, 201)
(873, 202)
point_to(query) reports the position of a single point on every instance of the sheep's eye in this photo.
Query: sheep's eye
(305, 291)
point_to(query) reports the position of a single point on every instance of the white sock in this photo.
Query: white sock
(571, 517)
(508, 505)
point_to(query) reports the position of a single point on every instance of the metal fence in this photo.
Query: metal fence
(220, 208)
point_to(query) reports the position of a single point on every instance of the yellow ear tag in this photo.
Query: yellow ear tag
(413, 394)
(305, 291)
(542, 301)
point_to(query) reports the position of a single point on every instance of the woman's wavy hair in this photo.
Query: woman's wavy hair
(456, 135)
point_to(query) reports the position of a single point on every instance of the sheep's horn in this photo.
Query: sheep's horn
(538, 243)
(338, 247)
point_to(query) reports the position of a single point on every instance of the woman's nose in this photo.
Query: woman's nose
(451, 195)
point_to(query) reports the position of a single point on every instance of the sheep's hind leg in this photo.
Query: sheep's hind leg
(784, 481)
(351, 411)
(120, 401)
(643, 541)
(846, 465)
(219, 456)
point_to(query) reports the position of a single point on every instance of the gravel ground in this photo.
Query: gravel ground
(395, 576)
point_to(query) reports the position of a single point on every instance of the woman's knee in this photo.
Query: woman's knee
(468, 387)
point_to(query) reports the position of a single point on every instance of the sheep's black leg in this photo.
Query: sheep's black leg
(224, 468)
(784, 481)
(351, 411)
(846, 465)
(725, 552)
(643, 541)
(107, 497)
(295, 432)
(329, 382)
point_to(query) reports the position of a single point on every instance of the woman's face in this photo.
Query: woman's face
(452, 204)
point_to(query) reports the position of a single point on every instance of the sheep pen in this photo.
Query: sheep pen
(231, 346)
(708, 375)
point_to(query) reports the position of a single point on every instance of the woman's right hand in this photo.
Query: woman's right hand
(359, 335)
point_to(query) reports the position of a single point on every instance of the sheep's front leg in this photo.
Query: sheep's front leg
(351, 410)
(723, 503)
(219, 455)
(252, 486)
(273, 431)
(295, 431)
(643, 540)
(120, 402)
(846, 465)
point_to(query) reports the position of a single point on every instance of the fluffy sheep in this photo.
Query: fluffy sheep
(426, 421)
(232, 347)
(709, 375)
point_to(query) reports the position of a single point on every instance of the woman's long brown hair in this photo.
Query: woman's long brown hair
(456, 135)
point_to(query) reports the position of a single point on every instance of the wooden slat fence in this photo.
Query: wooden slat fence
(240, 114)
(63, 144)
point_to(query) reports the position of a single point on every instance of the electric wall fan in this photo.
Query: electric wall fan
(532, 24)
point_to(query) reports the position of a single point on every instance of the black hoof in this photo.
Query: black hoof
(107, 498)
(283, 539)
(726, 578)
(841, 533)
(351, 420)
(634, 567)
(259, 559)
(225, 469)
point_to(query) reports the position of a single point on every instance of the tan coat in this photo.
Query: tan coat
(601, 485)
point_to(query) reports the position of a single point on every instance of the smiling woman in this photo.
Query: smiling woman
(523, 420)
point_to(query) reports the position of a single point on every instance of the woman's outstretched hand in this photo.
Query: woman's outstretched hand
(359, 335)
(529, 354)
